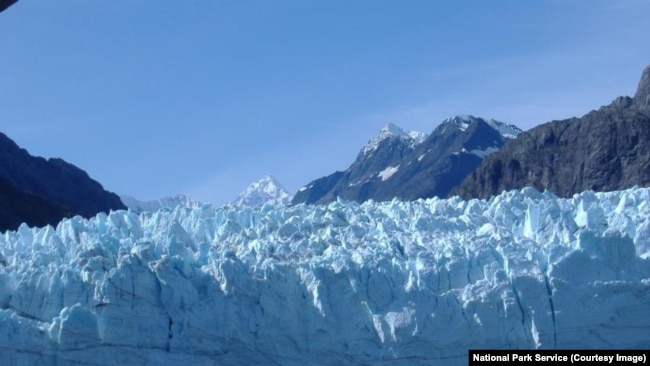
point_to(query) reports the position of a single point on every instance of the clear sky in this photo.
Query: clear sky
(202, 97)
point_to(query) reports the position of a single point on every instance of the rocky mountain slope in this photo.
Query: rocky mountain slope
(17, 207)
(408, 166)
(606, 149)
(55, 181)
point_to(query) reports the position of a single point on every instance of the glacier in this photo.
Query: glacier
(396, 283)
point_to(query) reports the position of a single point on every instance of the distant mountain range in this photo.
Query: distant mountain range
(265, 190)
(170, 202)
(605, 150)
(42, 191)
(412, 165)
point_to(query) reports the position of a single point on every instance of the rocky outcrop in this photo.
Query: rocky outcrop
(642, 96)
(607, 149)
(54, 182)
(18, 207)
(4, 4)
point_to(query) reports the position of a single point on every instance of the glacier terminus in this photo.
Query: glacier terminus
(394, 283)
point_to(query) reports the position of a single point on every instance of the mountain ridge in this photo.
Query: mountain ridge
(56, 181)
(397, 165)
(606, 149)
(139, 206)
(5, 4)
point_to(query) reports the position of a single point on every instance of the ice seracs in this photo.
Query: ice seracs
(415, 283)
(265, 190)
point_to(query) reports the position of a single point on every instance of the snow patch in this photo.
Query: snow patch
(506, 130)
(463, 121)
(483, 153)
(391, 130)
(388, 172)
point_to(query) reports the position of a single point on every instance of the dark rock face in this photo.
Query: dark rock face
(4, 4)
(55, 181)
(357, 182)
(642, 96)
(399, 168)
(607, 149)
(317, 189)
(18, 207)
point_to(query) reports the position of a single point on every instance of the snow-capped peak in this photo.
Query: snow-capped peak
(265, 190)
(391, 130)
(506, 130)
(463, 121)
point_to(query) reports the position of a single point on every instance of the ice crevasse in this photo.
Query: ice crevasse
(397, 283)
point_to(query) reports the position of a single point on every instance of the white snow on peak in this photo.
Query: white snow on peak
(463, 121)
(169, 202)
(388, 172)
(396, 283)
(506, 130)
(265, 190)
(391, 130)
(304, 188)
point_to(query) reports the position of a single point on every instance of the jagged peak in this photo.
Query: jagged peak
(460, 121)
(267, 189)
(506, 130)
(391, 130)
(463, 121)
(266, 183)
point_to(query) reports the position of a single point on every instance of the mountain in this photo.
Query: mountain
(171, 202)
(408, 166)
(265, 190)
(4, 4)
(606, 149)
(21, 207)
(64, 186)
(395, 283)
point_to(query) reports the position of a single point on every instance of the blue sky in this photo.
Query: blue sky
(202, 97)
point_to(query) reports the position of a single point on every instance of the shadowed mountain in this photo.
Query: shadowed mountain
(53, 182)
(606, 149)
(408, 166)
(4, 4)
(18, 207)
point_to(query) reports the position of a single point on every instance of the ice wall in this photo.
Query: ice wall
(403, 283)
